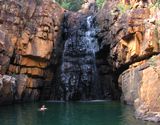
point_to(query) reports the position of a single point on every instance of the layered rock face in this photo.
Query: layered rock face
(131, 31)
(29, 31)
(140, 86)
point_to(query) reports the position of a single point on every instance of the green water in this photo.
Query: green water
(77, 113)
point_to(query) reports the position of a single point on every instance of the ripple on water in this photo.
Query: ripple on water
(96, 112)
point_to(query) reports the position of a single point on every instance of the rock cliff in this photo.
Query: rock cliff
(29, 31)
(130, 30)
(84, 72)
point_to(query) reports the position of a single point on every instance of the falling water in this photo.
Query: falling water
(78, 70)
(90, 35)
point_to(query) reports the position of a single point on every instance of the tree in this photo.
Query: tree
(72, 5)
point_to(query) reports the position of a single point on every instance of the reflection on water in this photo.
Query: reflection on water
(77, 113)
(129, 119)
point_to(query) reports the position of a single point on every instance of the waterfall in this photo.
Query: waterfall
(90, 35)
(78, 70)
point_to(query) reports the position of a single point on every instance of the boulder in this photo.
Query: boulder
(7, 89)
(140, 87)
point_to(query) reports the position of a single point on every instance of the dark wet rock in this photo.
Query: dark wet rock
(78, 69)
(7, 89)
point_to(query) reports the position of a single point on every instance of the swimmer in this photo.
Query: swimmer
(43, 108)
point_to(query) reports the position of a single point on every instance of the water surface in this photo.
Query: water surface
(77, 113)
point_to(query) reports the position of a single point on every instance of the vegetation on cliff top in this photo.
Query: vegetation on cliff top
(75, 5)
(123, 8)
(72, 5)
(100, 3)
(157, 3)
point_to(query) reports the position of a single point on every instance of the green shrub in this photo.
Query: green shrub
(66, 5)
(157, 3)
(72, 5)
(99, 3)
(123, 8)
(152, 62)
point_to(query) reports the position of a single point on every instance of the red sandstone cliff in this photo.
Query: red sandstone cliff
(29, 31)
(131, 29)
